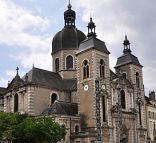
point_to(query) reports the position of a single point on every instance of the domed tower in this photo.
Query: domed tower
(65, 44)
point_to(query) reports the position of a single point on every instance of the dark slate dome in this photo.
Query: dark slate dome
(69, 38)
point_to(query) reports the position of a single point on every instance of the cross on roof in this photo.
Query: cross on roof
(17, 69)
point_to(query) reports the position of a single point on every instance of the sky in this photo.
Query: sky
(28, 26)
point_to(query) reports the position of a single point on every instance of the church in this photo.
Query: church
(94, 103)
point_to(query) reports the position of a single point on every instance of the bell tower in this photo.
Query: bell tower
(130, 68)
(93, 67)
(128, 65)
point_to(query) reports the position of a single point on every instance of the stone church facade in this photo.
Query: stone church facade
(82, 93)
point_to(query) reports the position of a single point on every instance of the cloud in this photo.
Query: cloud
(20, 28)
(39, 59)
(135, 18)
(3, 82)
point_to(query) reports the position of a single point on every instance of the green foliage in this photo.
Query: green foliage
(42, 129)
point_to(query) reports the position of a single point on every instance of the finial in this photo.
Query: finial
(17, 69)
(69, 5)
(91, 20)
(125, 36)
(126, 44)
(26, 77)
(33, 66)
(91, 28)
(126, 41)
(8, 82)
(90, 14)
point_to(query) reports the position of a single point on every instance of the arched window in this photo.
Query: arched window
(85, 69)
(57, 64)
(124, 75)
(102, 68)
(16, 103)
(137, 79)
(123, 102)
(53, 98)
(64, 137)
(76, 129)
(104, 108)
(69, 62)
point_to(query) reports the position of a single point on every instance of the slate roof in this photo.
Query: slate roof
(2, 90)
(49, 79)
(93, 42)
(147, 100)
(61, 108)
(67, 39)
(127, 59)
(16, 83)
(112, 75)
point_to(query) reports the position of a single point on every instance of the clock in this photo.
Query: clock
(85, 87)
(103, 86)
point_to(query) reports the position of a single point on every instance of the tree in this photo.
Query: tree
(41, 129)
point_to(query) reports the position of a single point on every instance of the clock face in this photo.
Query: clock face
(103, 87)
(86, 87)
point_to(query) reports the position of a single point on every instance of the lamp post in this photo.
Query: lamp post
(98, 117)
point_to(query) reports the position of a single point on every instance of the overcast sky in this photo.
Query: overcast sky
(28, 26)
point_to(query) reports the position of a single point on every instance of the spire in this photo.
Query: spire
(17, 74)
(69, 15)
(69, 5)
(26, 77)
(17, 69)
(126, 44)
(91, 28)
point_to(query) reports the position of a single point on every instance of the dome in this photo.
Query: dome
(69, 38)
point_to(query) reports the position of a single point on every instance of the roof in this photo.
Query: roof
(93, 42)
(2, 90)
(16, 83)
(67, 39)
(61, 108)
(49, 79)
(127, 59)
(112, 75)
(147, 100)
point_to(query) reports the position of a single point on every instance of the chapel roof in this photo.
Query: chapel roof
(61, 108)
(49, 79)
